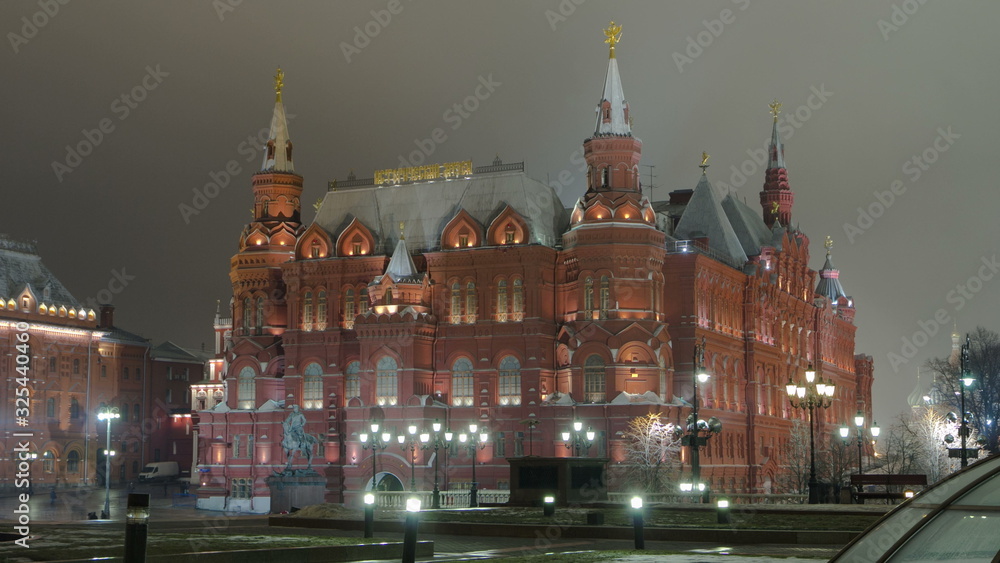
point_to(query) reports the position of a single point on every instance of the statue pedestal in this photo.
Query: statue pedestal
(298, 490)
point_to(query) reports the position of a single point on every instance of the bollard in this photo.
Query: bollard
(136, 527)
(410, 530)
(369, 515)
(722, 515)
(640, 540)
(549, 506)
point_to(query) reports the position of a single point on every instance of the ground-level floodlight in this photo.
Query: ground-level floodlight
(722, 512)
(640, 540)
(369, 515)
(548, 505)
(686, 487)
(410, 530)
(136, 527)
(908, 493)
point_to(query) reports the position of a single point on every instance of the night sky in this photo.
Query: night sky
(886, 109)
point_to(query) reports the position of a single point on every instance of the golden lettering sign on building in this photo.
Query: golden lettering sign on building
(395, 176)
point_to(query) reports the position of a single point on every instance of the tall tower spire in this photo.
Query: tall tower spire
(612, 113)
(776, 190)
(278, 150)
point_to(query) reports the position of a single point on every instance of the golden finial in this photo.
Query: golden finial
(401, 225)
(828, 244)
(279, 83)
(331, 186)
(775, 106)
(253, 213)
(318, 204)
(704, 162)
(614, 36)
(774, 207)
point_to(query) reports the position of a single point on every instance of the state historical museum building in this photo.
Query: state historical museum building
(463, 294)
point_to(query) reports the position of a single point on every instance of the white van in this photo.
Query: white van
(159, 471)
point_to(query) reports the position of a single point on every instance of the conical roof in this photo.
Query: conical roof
(278, 149)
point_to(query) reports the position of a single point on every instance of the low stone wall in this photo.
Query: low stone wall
(318, 554)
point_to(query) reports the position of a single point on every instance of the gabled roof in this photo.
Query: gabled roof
(20, 266)
(747, 224)
(704, 216)
(170, 351)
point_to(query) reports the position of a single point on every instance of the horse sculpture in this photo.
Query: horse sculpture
(296, 438)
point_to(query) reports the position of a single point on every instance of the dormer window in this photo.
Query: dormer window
(463, 241)
(356, 250)
(509, 234)
(314, 249)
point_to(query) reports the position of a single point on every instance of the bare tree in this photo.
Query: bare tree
(652, 453)
(795, 477)
(982, 399)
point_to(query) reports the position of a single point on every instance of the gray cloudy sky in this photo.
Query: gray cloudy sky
(898, 81)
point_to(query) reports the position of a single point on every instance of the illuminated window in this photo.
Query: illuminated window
(463, 240)
(48, 461)
(470, 303)
(321, 310)
(588, 298)
(508, 234)
(312, 387)
(462, 383)
(353, 380)
(518, 313)
(386, 388)
(247, 314)
(605, 297)
(510, 381)
(246, 391)
(350, 309)
(363, 301)
(314, 249)
(356, 249)
(456, 304)
(260, 315)
(242, 488)
(307, 310)
(594, 380)
(502, 301)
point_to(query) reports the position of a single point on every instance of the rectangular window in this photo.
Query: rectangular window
(518, 444)
(236, 446)
(250, 453)
(500, 445)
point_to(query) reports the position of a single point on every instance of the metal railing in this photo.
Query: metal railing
(737, 498)
(694, 246)
(449, 499)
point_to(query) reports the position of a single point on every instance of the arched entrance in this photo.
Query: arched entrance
(385, 481)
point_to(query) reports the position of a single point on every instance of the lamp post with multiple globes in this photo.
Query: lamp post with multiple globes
(815, 394)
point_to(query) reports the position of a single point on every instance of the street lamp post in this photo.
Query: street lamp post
(859, 423)
(695, 426)
(376, 442)
(108, 414)
(469, 441)
(967, 381)
(815, 394)
(436, 495)
(579, 440)
(411, 444)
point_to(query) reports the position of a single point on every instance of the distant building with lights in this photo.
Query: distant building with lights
(76, 362)
(461, 294)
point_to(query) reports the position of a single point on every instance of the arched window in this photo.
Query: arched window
(462, 383)
(260, 315)
(74, 408)
(307, 310)
(247, 315)
(73, 462)
(386, 386)
(246, 389)
(606, 176)
(470, 303)
(594, 380)
(48, 461)
(510, 381)
(136, 412)
(518, 313)
(605, 297)
(124, 412)
(321, 310)
(352, 380)
(50, 407)
(363, 301)
(456, 304)
(588, 299)
(312, 387)
(502, 301)
(350, 309)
